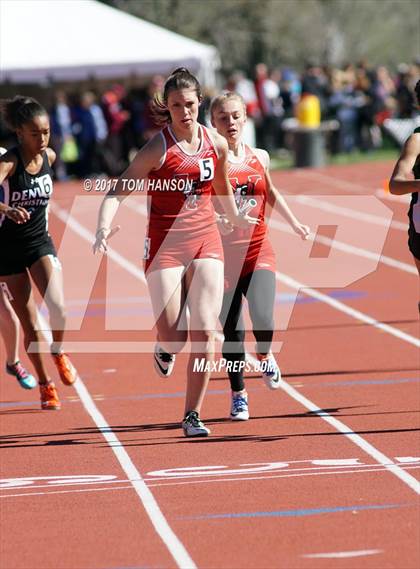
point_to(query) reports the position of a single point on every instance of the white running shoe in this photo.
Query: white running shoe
(193, 426)
(270, 371)
(239, 408)
(164, 362)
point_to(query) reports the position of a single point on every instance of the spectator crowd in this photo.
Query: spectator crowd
(97, 133)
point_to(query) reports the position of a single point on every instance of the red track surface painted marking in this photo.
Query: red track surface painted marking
(327, 356)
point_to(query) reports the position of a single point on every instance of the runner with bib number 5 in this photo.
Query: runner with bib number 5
(183, 250)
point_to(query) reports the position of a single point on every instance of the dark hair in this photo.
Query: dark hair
(181, 78)
(417, 91)
(20, 110)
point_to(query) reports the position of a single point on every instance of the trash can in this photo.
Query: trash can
(309, 140)
(309, 147)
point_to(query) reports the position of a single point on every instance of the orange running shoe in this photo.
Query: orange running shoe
(49, 397)
(66, 370)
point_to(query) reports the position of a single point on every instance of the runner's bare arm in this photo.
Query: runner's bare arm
(146, 160)
(402, 181)
(277, 201)
(17, 214)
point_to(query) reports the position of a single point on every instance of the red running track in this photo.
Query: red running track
(324, 475)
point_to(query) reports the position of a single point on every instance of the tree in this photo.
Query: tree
(288, 32)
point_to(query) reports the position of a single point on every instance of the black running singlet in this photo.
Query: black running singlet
(32, 192)
(413, 212)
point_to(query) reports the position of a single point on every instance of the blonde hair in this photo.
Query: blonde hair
(226, 96)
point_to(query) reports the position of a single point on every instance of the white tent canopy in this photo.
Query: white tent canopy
(70, 40)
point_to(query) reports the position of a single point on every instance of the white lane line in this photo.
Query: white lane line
(383, 195)
(334, 181)
(341, 427)
(356, 314)
(221, 472)
(343, 554)
(135, 271)
(135, 206)
(352, 213)
(334, 243)
(163, 529)
(73, 491)
(350, 249)
(372, 451)
(332, 302)
(78, 228)
(152, 484)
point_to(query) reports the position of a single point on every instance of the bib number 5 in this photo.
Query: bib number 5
(206, 169)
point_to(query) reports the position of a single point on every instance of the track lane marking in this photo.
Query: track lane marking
(340, 306)
(343, 554)
(409, 480)
(372, 451)
(88, 236)
(351, 213)
(333, 243)
(171, 541)
(356, 314)
(402, 200)
(295, 513)
(158, 520)
(152, 483)
(350, 249)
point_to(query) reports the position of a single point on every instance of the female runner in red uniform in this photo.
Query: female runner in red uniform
(249, 256)
(183, 250)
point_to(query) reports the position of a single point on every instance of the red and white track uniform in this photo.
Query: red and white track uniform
(247, 250)
(182, 225)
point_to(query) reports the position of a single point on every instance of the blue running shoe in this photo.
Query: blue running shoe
(239, 410)
(25, 379)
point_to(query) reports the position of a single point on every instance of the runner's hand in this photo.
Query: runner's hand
(224, 225)
(303, 230)
(102, 237)
(18, 214)
(245, 221)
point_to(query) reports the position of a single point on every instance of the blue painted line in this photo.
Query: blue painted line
(295, 513)
(102, 311)
(5, 405)
(115, 306)
(174, 395)
(32, 404)
(136, 567)
(128, 306)
(285, 298)
(109, 300)
(350, 383)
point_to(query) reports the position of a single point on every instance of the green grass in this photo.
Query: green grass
(356, 157)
